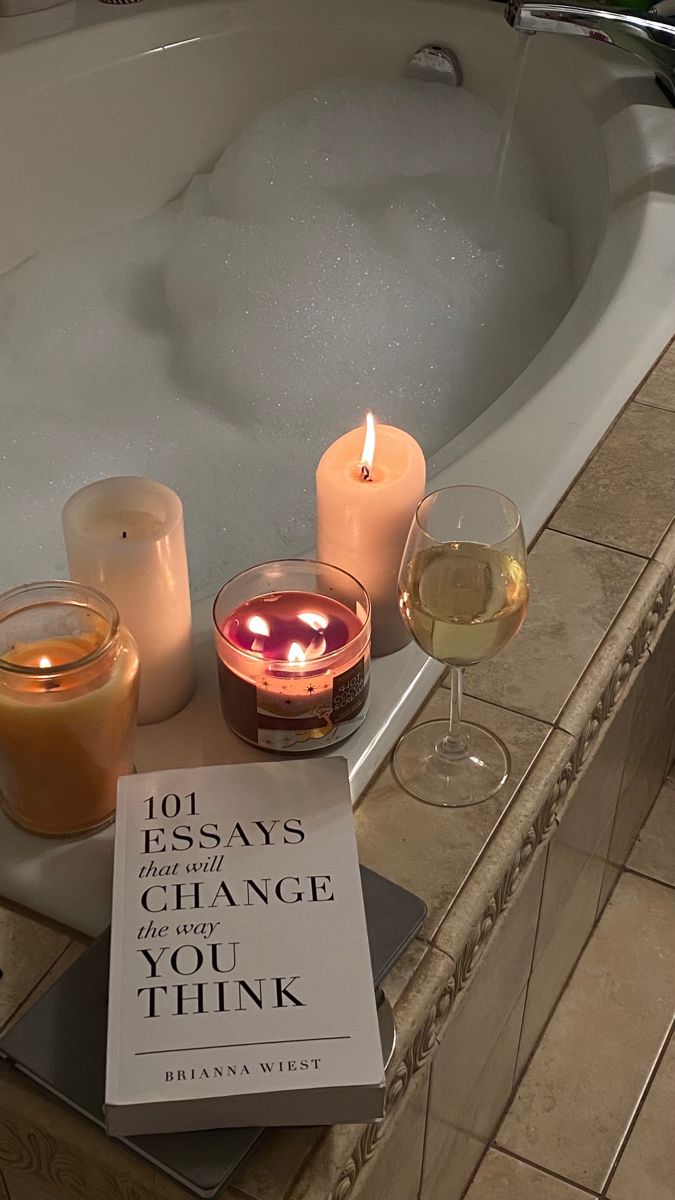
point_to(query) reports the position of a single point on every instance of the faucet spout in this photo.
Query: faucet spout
(649, 36)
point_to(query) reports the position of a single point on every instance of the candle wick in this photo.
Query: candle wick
(365, 473)
(124, 533)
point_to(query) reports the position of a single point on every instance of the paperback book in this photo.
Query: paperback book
(241, 990)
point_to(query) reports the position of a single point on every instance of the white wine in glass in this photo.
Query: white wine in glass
(463, 595)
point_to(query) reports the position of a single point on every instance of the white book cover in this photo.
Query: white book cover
(241, 990)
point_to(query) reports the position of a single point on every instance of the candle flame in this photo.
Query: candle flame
(315, 621)
(45, 663)
(296, 653)
(259, 625)
(368, 455)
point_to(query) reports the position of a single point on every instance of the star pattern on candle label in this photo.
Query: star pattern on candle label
(310, 689)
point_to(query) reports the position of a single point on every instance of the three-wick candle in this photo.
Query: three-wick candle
(367, 491)
(68, 699)
(125, 536)
(293, 642)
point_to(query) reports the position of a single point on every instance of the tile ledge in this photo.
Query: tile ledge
(616, 659)
(417, 1038)
(529, 821)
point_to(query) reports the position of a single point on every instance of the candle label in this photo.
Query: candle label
(329, 709)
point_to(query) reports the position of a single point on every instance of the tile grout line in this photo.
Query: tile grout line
(638, 1108)
(637, 400)
(554, 722)
(496, 1145)
(650, 878)
(602, 644)
(580, 537)
(515, 1083)
(516, 1080)
(498, 826)
(425, 1135)
(518, 712)
(544, 1170)
(653, 404)
(4, 1025)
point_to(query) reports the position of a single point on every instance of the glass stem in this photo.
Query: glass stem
(453, 745)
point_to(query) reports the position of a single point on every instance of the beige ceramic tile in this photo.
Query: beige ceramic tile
(507, 954)
(609, 881)
(501, 1177)
(577, 588)
(555, 959)
(321, 1171)
(659, 387)
(331, 1157)
(28, 949)
(496, 983)
(510, 845)
(271, 1167)
(397, 980)
(653, 685)
(665, 551)
(430, 850)
(654, 851)
(646, 1169)
(66, 959)
(644, 773)
(396, 1166)
(650, 694)
(576, 1100)
(600, 674)
(276, 1161)
(624, 496)
(473, 1068)
(587, 819)
(463, 1115)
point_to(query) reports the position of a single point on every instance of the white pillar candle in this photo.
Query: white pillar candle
(366, 496)
(125, 536)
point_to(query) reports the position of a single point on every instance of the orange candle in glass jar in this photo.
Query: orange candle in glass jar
(68, 701)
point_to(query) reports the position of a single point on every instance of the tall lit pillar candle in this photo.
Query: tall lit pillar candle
(125, 536)
(368, 485)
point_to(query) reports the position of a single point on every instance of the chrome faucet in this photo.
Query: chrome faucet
(648, 35)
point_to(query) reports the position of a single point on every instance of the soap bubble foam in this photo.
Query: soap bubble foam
(336, 259)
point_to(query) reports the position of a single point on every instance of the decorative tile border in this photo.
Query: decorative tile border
(658, 608)
(30, 1138)
(417, 1055)
(658, 605)
(28, 1146)
(430, 1032)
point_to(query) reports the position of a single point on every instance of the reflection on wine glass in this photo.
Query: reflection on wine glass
(463, 595)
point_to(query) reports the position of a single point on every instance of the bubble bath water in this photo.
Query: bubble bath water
(333, 261)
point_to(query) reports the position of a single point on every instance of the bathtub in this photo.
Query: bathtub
(98, 128)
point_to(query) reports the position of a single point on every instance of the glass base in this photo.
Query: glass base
(451, 782)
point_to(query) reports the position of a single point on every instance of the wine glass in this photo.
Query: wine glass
(463, 595)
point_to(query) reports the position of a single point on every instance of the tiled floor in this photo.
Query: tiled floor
(594, 1115)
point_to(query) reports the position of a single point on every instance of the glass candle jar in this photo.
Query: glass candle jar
(293, 645)
(68, 700)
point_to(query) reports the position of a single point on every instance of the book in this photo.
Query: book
(240, 992)
(60, 1042)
